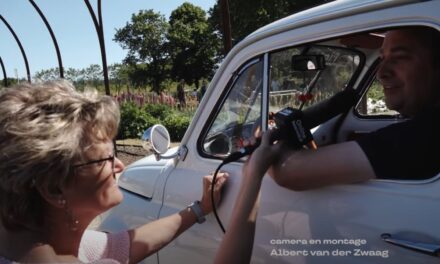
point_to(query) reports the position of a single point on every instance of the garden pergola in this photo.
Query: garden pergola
(98, 23)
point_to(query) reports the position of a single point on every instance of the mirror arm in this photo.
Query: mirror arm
(180, 154)
(159, 156)
(183, 151)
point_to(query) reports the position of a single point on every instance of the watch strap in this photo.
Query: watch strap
(197, 210)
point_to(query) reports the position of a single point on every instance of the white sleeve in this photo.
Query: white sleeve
(97, 245)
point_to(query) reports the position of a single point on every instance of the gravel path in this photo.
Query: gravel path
(131, 153)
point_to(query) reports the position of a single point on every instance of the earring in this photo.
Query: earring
(61, 202)
(33, 182)
(72, 223)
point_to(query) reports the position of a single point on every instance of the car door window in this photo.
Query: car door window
(292, 87)
(239, 114)
(373, 102)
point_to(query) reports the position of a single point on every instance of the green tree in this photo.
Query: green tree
(10, 82)
(118, 75)
(192, 44)
(248, 15)
(138, 75)
(145, 39)
(47, 75)
(72, 75)
(93, 75)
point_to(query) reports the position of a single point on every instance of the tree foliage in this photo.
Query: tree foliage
(10, 82)
(248, 15)
(145, 39)
(48, 74)
(91, 75)
(192, 44)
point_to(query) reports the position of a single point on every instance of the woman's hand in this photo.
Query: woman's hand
(205, 203)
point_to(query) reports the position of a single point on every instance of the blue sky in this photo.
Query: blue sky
(73, 28)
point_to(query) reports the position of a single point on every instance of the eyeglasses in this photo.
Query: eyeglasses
(110, 158)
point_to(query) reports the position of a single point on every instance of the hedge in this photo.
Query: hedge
(135, 120)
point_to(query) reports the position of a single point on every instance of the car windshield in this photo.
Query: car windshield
(301, 88)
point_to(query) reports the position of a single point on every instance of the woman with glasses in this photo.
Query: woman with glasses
(58, 172)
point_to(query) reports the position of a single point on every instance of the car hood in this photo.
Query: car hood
(142, 176)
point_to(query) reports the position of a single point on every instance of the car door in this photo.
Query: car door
(236, 116)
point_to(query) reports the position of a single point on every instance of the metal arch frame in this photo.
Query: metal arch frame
(19, 44)
(54, 40)
(5, 77)
(100, 32)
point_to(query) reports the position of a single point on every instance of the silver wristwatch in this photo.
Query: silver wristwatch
(195, 207)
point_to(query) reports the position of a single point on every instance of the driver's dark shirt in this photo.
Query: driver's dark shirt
(407, 150)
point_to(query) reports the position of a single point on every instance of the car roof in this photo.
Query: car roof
(332, 10)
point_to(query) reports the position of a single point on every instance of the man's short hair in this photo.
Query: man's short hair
(429, 37)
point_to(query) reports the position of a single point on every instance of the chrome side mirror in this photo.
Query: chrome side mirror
(157, 139)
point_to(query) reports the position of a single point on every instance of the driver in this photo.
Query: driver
(410, 75)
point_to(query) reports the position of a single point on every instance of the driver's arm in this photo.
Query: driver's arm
(334, 164)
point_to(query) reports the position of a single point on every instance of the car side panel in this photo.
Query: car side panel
(358, 212)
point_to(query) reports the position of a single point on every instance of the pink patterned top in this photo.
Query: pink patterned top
(99, 247)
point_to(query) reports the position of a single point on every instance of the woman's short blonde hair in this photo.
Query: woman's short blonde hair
(44, 129)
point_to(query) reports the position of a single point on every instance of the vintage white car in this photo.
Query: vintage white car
(300, 61)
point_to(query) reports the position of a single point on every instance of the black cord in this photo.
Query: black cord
(214, 210)
(233, 157)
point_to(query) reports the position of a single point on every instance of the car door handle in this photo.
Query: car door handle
(427, 248)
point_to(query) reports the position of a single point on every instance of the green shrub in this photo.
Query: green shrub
(176, 125)
(159, 111)
(134, 121)
(376, 92)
